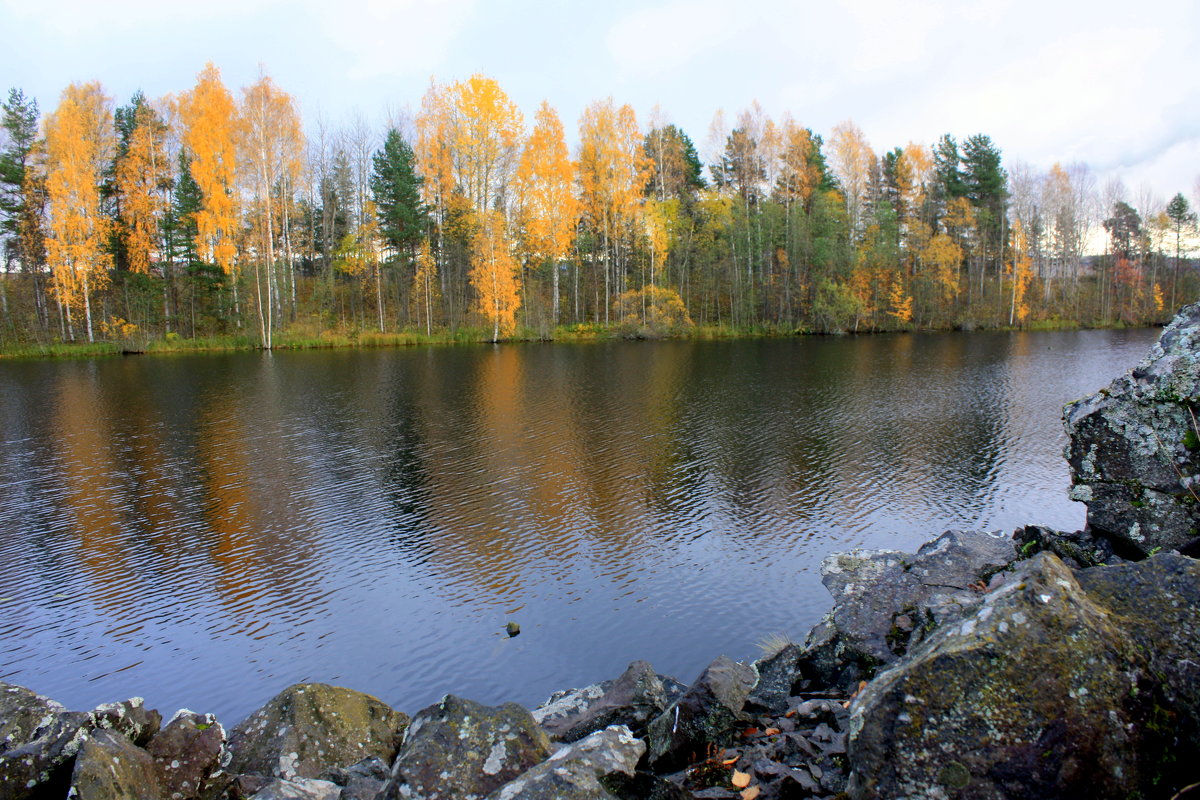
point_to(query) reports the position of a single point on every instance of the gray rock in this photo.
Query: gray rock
(777, 673)
(631, 700)
(578, 771)
(42, 766)
(1134, 447)
(187, 753)
(308, 728)
(365, 780)
(22, 713)
(886, 601)
(1157, 604)
(1042, 691)
(706, 714)
(130, 718)
(461, 749)
(1078, 549)
(110, 767)
(298, 789)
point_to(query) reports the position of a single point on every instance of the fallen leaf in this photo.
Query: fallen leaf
(751, 793)
(740, 779)
(791, 713)
(729, 762)
(749, 732)
(770, 731)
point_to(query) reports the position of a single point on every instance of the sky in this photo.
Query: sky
(1116, 85)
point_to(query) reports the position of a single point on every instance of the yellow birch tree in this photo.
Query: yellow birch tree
(547, 208)
(494, 274)
(79, 144)
(210, 134)
(613, 172)
(272, 145)
(141, 175)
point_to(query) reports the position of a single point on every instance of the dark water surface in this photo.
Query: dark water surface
(205, 530)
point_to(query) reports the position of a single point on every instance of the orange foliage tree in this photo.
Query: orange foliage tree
(547, 208)
(494, 274)
(613, 172)
(79, 144)
(143, 179)
(210, 134)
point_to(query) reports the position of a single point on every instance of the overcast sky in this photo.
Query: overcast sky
(1114, 84)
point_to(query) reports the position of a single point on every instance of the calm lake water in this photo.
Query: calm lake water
(205, 530)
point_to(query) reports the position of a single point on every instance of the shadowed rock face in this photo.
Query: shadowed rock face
(1047, 690)
(1134, 447)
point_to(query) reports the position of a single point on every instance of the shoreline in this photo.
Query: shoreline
(374, 340)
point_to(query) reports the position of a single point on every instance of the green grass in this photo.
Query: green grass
(310, 337)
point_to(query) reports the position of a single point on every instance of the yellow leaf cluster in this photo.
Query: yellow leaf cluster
(79, 141)
(494, 274)
(141, 175)
(210, 134)
(547, 206)
(613, 167)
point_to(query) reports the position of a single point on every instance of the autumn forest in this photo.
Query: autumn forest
(217, 213)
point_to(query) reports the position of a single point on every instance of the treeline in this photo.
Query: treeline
(206, 213)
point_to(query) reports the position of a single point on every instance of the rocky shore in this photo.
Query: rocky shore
(1037, 664)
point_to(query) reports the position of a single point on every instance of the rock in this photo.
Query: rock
(130, 718)
(631, 700)
(308, 728)
(645, 786)
(777, 674)
(187, 753)
(1134, 447)
(886, 602)
(1157, 604)
(298, 789)
(110, 767)
(458, 749)
(42, 766)
(1043, 691)
(578, 771)
(705, 715)
(1078, 550)
(22, 713)
(365, 780)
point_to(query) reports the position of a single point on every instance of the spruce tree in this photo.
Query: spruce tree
(396, 189)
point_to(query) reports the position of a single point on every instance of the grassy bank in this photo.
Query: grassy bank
(310, 340)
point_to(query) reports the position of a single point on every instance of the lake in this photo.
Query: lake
(206, 530)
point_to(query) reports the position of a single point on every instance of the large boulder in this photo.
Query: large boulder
(110, 767)
(579, 771)
(705, 715)
(886, 601)
(188, 753)
(1134, 447)
(1045, 690)
(41, 767)
(309, 728)
(459, 749)
(631, 700)
(22, 713)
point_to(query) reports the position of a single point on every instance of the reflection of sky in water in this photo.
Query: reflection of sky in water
(206, 530)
